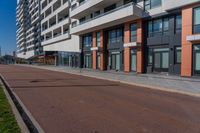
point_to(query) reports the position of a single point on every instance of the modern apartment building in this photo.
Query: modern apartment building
(143, 36)
(21, 29)
(60, 47)
(28, 28)
(139, 36)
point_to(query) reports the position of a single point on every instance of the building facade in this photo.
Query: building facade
(58, 44)
(142, 36)
(28, 28)
(138, 36)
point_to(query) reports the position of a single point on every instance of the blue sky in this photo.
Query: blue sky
(7, 26)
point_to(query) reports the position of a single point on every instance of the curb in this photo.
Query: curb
(22, 125)
(24, 118)
(128, 83)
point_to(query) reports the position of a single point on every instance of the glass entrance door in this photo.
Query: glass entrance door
(115, 61)
(161, 60)
(196, 59)
(98, 60)
(88, 61)
(133, 60)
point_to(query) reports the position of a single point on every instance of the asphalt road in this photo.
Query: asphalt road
(66, 103)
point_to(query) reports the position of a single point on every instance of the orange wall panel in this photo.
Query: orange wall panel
(186, 65)
(94, 59)
(94, 53)
(127, 59)
(127, 50)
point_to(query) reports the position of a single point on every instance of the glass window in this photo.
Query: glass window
(115, 36)
(149, 4)
(196, 23)
(196, 59)
(119, 35)
(157, 25)
(177, 55)
(109, 8)
(117, 62)
(150, 56)
(88, 61)
(97, 13)
(112, 36)
(197, 62)
(98, 60)
(155, 3)
(98, 35)
(150, 29)
(178, 24)
(87, 41)
(160, 26)
(166, 24)
(127, 1)
(133, 32)
(133, 60)
(82, 20)
(165, 60)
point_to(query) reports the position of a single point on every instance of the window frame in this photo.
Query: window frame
(193, 21)
(150, 6)
(162, 31)
(86, 39)
(178, 30)
(115, 36)
(131, 36)
(98, 39)
(175, 54)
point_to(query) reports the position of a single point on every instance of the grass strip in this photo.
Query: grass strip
(8, 123)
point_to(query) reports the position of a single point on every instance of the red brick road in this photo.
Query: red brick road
(66, 103)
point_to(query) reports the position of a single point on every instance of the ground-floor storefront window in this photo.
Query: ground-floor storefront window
(114, 61)
(196, 59)
(158, 58)
(161, 59)
(68, 59)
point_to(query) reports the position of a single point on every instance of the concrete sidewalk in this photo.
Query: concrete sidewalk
(189, 86)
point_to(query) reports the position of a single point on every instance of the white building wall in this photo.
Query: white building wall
(26, 55)
(71, 45)
(64, 41)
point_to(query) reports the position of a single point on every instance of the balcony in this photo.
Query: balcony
(57, 38)
(173, 4)
(82, 9)
(117, 16)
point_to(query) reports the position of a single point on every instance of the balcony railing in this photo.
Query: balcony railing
(80, 4)
(105, 13)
